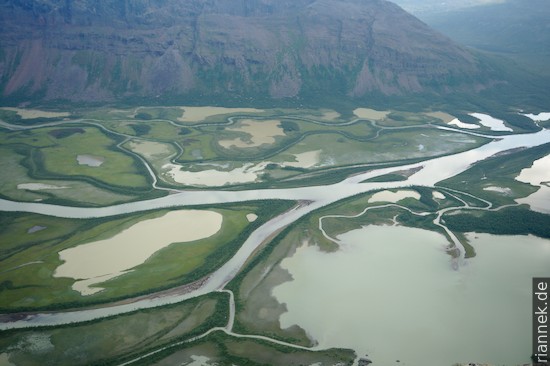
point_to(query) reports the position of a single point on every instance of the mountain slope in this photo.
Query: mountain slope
(517, 29)
(111, 50)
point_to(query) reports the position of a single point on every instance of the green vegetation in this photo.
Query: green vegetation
(387, 178)
(334, 226)
(61, 191)
(117, 168)
(469, 250)
(185, 131)
(14, 118)
(339, 153)
(340, 145)
(258, 312)
(15, 231)
(54, 153)
(289, 126)
(508, 221)
(159, 113)
(402, 118)
(157, 155)
(65, 132)
(223, 349)
(520, 32)
(141, 129)
(144, 116)
(31, 258)
(499, 171)
(48, 156)
(129, 335)
(179, 264)
(517, 121)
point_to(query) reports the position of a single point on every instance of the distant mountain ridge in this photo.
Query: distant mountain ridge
(517, 29)
(85, 50)
(421, 8)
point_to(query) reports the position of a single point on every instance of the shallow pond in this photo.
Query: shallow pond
(261, 132)
(493, 123)
(90, 160)
(98, 261)
(537, 175)
(247, 173)
(432, 171)
(195, 114)
(389, 196)
(390, 293)
(35, 113)
(458, 123)
(543, 116)
(367, 113)
(38, 186)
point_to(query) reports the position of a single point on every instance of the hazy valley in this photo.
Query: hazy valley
(258, 182)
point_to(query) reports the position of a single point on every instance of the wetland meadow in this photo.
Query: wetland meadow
(244, 236)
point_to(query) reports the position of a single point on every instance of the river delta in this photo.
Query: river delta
(357, 259)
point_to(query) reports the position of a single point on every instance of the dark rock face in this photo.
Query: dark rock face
(105, 50)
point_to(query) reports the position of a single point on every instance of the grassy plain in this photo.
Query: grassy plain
(222, 349)
(257, 311)
(129, 335)
(25, 116)
(48, 155)
(225, 140)
(508, 221)
(499, 171)
(118, 168)
(31, 258)
(69, 191)
(338, 148)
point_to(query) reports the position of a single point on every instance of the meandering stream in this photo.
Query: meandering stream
(433, 171)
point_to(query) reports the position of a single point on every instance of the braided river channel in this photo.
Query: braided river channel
(400, 311)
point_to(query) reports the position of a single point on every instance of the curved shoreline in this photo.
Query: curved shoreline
(432, 171)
